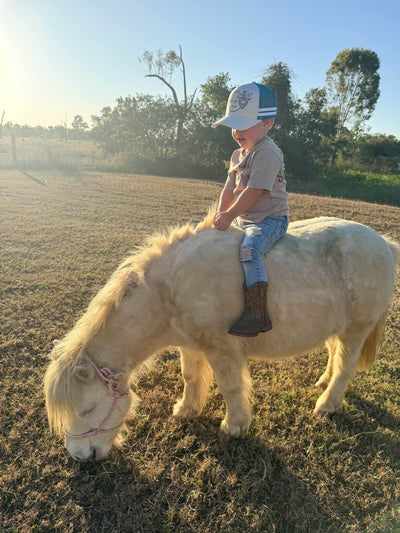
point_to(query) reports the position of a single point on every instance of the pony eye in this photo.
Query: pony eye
(87, 412)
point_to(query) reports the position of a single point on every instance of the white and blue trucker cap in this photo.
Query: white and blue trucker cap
(247, 106)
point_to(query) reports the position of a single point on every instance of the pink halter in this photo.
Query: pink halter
(112, 380)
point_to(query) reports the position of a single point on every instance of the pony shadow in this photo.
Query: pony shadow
(115, 496)
(369, 426)
(280, 499)
(245, 480)
(382, 417)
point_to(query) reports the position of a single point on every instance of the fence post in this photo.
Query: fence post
(14, 150)
(1, 124)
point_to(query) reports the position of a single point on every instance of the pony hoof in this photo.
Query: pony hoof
(323, 408)
(319, 413)
(323, 382)
(233, 431)
(182, 411)
(223, 438)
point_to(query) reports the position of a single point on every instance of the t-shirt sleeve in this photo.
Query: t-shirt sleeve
(231, 179)
(264, 170)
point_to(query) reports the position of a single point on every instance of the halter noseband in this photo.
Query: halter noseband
(112, 380)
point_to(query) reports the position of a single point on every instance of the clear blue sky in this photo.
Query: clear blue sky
(60, 58)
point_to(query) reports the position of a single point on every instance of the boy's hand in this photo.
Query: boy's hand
(247, 198)
(222, 220)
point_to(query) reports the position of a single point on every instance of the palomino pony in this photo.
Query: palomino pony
(330, 280)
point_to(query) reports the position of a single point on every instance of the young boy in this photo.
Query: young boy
(255, 195)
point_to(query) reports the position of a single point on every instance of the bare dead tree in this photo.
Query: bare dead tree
(162, 66)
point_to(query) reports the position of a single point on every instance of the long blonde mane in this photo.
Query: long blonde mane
(131, 272)
(60, 388)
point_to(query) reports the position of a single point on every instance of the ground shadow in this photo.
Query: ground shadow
(265, 497)
(25, 173)
(244, 482)
(368, 428)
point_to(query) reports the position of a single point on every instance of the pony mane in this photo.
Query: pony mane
(60, 388)
(158, 244)
(130, 273)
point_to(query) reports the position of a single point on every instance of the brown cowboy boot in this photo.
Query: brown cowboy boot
(254, 319)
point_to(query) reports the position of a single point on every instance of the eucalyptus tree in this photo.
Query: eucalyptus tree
(215, 94)
(353, 86)
(279, 78)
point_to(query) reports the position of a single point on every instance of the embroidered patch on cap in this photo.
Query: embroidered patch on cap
(241, 100)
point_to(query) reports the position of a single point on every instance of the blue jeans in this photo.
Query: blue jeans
(258, 239)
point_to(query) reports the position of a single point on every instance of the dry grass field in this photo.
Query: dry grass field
(61, 238)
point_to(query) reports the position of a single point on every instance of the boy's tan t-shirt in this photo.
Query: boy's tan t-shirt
(260, 168)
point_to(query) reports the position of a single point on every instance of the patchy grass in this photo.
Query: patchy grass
(61, 239)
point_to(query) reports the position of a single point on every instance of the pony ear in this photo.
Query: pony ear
(84, 373)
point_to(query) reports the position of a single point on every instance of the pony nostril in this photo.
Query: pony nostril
(77, 457)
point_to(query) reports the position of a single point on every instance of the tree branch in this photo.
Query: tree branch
(184, 75)
(168, 85)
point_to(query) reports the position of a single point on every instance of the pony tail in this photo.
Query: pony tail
(374, 339)
(395, 247)
(372, 344)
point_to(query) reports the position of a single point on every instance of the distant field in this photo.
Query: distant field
(38, 153)
(61, 238)
(75, 156)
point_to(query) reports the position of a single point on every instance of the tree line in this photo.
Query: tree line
(172, 135)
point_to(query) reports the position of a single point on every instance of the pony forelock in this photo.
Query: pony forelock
(60, 392)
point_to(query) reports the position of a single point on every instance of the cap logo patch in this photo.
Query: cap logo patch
(241, 99)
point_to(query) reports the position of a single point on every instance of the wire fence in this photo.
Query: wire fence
(37, 153)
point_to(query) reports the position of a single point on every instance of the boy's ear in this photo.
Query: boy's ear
(269, 122)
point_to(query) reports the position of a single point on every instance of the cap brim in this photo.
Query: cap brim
(236, 123)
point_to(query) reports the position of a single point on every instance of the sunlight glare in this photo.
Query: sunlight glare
(20, 65)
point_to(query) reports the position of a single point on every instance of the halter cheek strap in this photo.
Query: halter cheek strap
(113, 382)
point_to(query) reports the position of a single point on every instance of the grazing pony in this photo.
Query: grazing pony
(330, 280)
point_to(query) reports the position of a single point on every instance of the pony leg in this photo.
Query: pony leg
(343, 366)
(324, 380)
(234, 383)
(197, 375)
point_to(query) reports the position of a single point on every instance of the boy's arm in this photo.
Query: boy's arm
(226, 199)
(248, 197)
